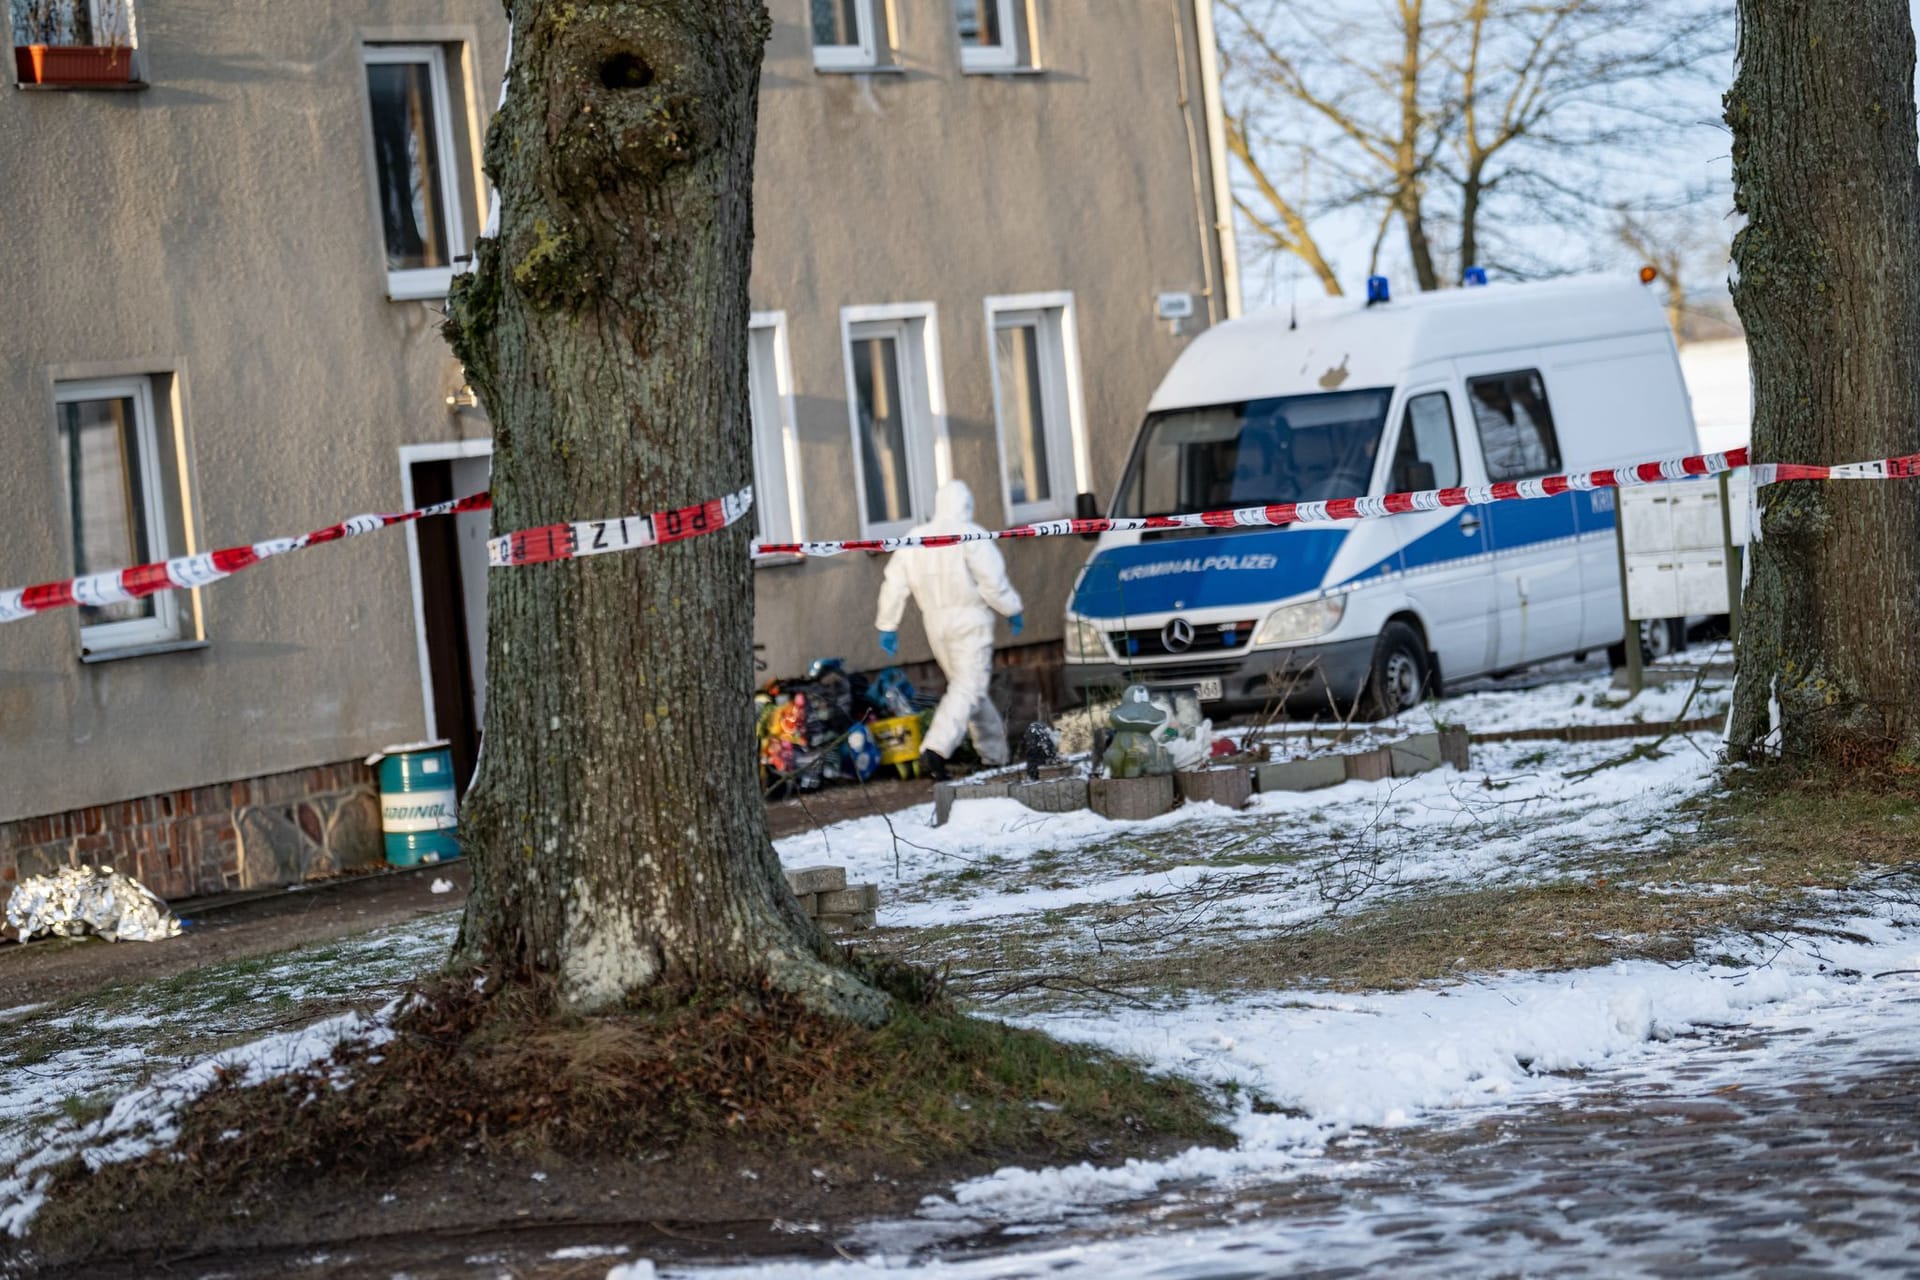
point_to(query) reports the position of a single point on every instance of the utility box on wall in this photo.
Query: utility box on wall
(1675, 544)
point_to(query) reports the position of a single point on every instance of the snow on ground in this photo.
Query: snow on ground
(1430, 1056)
(115, 1043)
(142, 1121)
(1516, 814)
(1302, 1067)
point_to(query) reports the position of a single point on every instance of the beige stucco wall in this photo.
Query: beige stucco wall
(934, 186)
(219, 227)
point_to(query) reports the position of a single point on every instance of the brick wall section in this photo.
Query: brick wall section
(276, 829)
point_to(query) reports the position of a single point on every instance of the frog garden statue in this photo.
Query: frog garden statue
(1133, 753)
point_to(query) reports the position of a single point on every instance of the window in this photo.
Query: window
(1510, 412)
(894, 404)
(1428, 456)
(112, 472)
(415, 167)
(995, 35)
(847, 35)
(1255, 453)
(776, 456)
(1036, 395)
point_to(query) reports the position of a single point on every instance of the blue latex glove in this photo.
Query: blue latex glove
(890, 643)
(1017, 623)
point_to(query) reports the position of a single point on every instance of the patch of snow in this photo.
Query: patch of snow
(442, 886)
(582, 1251)
(143, 1120)
(639, 1269)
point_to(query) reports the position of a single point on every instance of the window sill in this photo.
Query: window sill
(429, 284)
(769, 562)
(130, 86)
(888, 69)
(966, 70)
(143, 650)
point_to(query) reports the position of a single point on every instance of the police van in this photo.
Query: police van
(1466, 386)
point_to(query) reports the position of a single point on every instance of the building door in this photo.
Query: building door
(453, 604)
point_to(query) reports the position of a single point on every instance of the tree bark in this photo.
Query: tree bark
(1828, 287)
(615, 828)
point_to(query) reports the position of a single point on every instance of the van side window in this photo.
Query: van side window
(1515, 424)
(1428, 457)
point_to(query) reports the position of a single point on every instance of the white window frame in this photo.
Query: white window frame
(1014, 52)
(915, 328)
(864, 56)
(779, 510)
(1069, 462)
(164, 625)
(422, 282)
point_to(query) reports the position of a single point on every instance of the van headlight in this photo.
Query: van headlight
(1085, 641)
(1295, 622)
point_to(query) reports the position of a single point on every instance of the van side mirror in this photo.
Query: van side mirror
(1086, 506)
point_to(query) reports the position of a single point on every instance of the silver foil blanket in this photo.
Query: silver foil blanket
(76, 901)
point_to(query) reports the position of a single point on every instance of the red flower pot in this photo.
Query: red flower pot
(73, 64)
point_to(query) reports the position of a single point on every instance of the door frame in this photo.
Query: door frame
(411, 454)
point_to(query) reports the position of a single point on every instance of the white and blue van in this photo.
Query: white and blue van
(1466, 386)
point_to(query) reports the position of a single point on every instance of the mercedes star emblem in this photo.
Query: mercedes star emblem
(1177, 636)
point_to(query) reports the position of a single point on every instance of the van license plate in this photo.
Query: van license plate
(1209, 691)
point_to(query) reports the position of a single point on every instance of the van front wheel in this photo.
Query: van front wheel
(1399, 679)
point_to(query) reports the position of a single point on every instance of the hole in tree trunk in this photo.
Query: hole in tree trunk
(626, 71)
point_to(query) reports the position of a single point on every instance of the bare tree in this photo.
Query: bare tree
(1685, 244)
(1451, 118)
(1828, 287)
(615, 828)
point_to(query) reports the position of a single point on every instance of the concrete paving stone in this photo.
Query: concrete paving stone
(857, 898)
(805, 880)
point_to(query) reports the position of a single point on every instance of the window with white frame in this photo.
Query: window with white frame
(995, 35)
(114, 475)
(1036, 403)
(848, 35)
(416, 167)
(892, 396)
(776, 454)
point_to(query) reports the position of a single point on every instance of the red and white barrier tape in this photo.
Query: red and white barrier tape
(597, 537)
(594, 537)
(117, 585)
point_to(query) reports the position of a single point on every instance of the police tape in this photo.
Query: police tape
(577, 539)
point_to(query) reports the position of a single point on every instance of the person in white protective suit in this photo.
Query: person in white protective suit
(959, 590)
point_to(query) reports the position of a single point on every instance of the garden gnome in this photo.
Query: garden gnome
(1133, 753)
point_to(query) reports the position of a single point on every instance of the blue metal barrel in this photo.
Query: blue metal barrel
(417, 802)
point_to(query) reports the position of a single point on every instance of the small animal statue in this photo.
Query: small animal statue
(1133, 753)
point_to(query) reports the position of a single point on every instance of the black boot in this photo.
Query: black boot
(936, 766)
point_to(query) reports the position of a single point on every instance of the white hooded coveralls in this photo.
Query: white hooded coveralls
(958, 589)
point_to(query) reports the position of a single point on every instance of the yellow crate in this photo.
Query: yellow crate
(899, 739)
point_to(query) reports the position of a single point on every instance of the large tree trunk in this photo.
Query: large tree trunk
(1828, 287)
(615, 828)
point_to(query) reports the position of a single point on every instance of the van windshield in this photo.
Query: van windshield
(1283, 449)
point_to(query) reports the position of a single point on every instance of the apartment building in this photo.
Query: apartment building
(984, 229)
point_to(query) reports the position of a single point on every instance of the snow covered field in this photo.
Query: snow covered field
(1306, 1073)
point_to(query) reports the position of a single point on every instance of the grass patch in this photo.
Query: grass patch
(1750, 855)
(719, 1078)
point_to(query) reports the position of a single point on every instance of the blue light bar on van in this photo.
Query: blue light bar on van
(1377, 290)
(1474, 276)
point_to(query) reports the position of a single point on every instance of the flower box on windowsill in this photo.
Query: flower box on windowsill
(74, 66)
